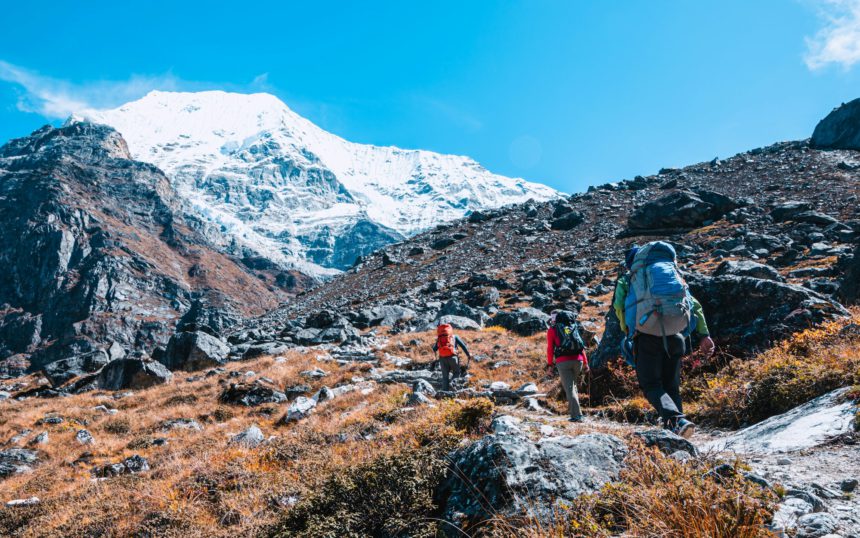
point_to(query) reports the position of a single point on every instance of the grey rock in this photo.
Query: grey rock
(181, 424)
(84, 437)
(316, 373)
(418, 398)
(458, 322)
(422, 386)
(849, 290)
(667, 441)
(192, 351)
(300, 409)
(568, 222)
(503, 474)
(252, 394)
(250, 438)
(61, 371)
(17, 460)
(523, 321)
(505, 424)
(848, 485)
(17, 503)
(323, 395)
(681, 209)
(788, 210)
(839, 129)
(455, 308)
(747, 268)
(816, 525)
(131, 465)
(136, 374)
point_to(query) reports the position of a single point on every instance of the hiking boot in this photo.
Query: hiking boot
(684, 428)
(580, 418)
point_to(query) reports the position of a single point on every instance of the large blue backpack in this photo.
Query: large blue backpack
(658, 301)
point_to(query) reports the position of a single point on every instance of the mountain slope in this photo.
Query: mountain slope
(290, 191)
(94, 250)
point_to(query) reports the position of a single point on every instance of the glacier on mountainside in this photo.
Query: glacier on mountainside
(273, 184)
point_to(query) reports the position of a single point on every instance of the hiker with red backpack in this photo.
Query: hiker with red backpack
(657, 313)
(446, 347)
(565, 352)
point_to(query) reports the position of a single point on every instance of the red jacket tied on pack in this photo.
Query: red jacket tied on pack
(553, 341)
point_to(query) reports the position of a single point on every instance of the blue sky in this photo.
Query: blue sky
(569, 93)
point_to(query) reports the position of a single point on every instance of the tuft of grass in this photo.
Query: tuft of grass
(472, 417)
(118, 426)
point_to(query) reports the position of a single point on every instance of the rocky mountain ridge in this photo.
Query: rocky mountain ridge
(277, 185)
(95, 251)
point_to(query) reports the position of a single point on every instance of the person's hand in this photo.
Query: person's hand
(550, 370)
(706, 346)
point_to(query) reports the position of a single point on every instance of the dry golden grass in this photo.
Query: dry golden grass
(805, 366)
(201, 484)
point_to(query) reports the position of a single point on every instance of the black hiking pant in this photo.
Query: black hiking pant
(659, 372)
(449, 365)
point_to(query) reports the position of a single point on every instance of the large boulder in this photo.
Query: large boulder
(789, 210)
(206, 317)
(456, 308)
(849, 290)
(133, 374)
(522, 321)
(505, 473)
(385, 315)
(17, 460)
(252, 394)
(749, 314)
(840, 129)
(61, 371)
(458, 322)
(194, 351)
(681, 210)
(568, 222)
(747, 268)
(483, 296)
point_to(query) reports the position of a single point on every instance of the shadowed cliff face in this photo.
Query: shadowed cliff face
(93, 250)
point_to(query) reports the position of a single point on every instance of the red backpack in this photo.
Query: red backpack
(445, 342)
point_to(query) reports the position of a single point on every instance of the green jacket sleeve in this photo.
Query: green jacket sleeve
(621, 289)
(701, 324)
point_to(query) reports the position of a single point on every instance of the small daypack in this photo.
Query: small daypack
(570, 340)
(445, 340)
(659, 301)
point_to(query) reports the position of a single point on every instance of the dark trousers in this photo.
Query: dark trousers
(449, 364)
(659, 372)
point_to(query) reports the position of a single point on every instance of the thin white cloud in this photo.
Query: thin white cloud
(454, 114)
(54, 98)
(838, 41)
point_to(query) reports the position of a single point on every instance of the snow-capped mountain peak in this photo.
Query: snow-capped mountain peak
(277, 185)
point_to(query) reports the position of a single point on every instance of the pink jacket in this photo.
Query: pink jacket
(552, 340)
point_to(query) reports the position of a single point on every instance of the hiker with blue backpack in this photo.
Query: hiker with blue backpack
(657, 313)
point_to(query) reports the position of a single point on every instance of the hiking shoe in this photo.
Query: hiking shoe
(684, 428)
(580, 418)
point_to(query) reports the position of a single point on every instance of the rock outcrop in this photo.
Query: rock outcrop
(503, 472)
(94, 251)
(840, 129)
